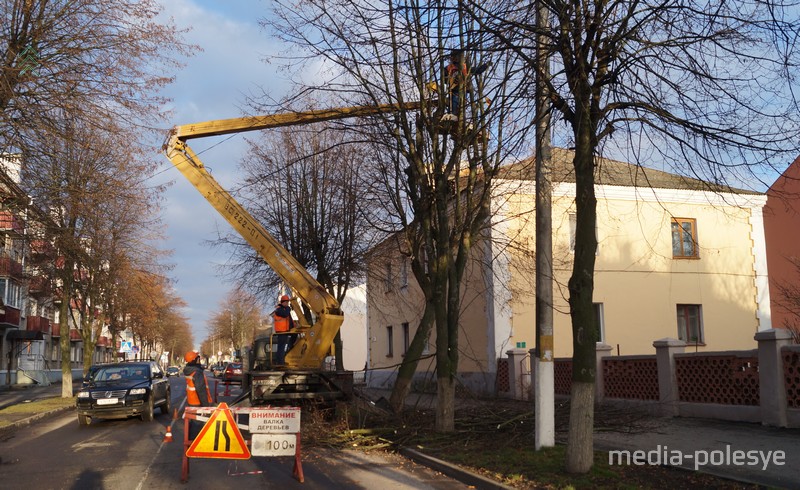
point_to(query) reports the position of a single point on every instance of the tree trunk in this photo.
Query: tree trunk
(580, 440)
(405, 375)
(338, 351)
(580, 447)
(88, 353)
(66, 365)
(445, 402)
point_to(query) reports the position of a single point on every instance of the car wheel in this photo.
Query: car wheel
(147, 415)
(84, 419)
(167, 406)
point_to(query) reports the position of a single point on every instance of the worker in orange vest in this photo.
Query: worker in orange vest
(283, 323)
(456, 76)
(197, 392)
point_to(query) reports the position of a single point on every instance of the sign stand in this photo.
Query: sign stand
(274, 432)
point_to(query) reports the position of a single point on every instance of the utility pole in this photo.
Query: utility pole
(544, 386)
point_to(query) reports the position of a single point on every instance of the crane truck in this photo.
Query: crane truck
(302, 376)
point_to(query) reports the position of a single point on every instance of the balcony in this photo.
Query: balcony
(39, 324)
(10, 267)
(39, 286)
(10, 316)
(103, 341)
(42, 248)
(10, 223)
(75, 335)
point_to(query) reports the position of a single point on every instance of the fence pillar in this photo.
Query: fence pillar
(603, 350)
(667, 379)
(772, 388)
(518, 374)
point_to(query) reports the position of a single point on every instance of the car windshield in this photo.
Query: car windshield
(114, 373)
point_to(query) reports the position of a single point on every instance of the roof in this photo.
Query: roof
(615, 173)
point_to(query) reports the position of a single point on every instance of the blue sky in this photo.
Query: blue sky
(211, 86)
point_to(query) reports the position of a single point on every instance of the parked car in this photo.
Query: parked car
(122, 390)
(218, 369)
(173, 371)
(233, 373)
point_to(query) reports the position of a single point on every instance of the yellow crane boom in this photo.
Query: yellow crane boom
(313, 346)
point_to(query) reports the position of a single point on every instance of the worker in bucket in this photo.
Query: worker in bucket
(283, 322)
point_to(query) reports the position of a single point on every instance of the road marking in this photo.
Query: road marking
(146, 471)
(90, 445)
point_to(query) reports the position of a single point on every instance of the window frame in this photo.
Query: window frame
(406, 337)
(599, 315)
(389, 279)
(676, 224)
(389, 341)
(404, 273)
(684, 317)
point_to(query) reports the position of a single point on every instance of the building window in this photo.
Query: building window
(389, 278)
(573, 227)
(406, 338)
(404, 273)
(684, 238)
(690, 324)
(11, 293)
(601, 327)
(390, 342)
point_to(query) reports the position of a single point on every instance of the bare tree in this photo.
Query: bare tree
(433, 182)
(90, 188)
(87, 70)
(237, 318)
(82, 59)
(148, 307)
(706, 90)
(303, 185)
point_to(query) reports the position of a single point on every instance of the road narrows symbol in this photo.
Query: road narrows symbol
(219, 438)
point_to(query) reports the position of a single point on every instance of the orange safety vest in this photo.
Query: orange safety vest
(281, 323)
(191, 392)
(455, 76)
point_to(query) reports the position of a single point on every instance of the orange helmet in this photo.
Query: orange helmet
(284, 298)
(191, 355)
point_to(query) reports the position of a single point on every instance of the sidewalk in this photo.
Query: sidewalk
(688, 439)
(10, 395)
(20, 394)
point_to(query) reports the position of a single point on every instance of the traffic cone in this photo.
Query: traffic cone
(168, 435)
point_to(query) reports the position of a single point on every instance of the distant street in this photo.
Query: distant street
(130, 454)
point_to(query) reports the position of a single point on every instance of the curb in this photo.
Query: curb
(452, 470)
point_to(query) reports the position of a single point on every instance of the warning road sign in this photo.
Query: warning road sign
(219, 438)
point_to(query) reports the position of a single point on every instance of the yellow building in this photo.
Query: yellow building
(676, 258)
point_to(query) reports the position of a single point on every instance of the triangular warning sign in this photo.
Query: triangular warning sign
(219, 438)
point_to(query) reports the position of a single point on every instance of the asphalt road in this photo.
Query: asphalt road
(57, 453)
